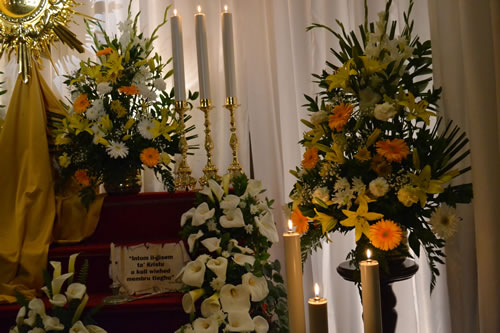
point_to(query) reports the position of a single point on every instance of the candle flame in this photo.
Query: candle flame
(225, 8)
(316, 290)
(368, 253)
(290, 225)
(175, 12)
(199, 9)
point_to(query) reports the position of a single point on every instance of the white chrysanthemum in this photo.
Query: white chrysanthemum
(145, 127)
(384, 111)
(194, 274)
(96, 110)
(261, 324)
(319, 117)
(117, 149)
(342, 198)
(322, 194)
(444, 221)
(248, 228)
(212, 226)
(232, 219)
(378, 187)
(240, 321)
(342, 184)
(358, 185)
(235, 298)
(104, 88)
(217, 283)
(257, 286)
(160, 84)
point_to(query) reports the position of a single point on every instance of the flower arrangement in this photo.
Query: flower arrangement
(121, 118)
(378, 159)
(65, 315)
(229, 235)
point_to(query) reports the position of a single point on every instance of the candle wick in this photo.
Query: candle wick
(317, 298)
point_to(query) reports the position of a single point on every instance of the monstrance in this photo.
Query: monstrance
(29, 27)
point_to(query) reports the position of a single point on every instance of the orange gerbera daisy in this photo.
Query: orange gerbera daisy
(363, 154)
(393, 150)
(129, 90)
(340, 116)
(386, 235)
(81, 103)
(311, 158)
(150, 157)
(104, 52)
(82, 178)
(300, 222)
(380, 166)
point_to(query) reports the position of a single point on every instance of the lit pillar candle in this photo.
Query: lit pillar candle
(228, 47)
(202, 51)
(293, 265)
(370, 291)
(178, 56)
(318, 313)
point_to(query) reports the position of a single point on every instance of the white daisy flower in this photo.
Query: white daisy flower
(96, 110)
(117, 149)
(341, 185)
(103, 88)
(217, 283)
(358, 185)
(249, 228)
(444, 221)
(160, 84)
(145, 127)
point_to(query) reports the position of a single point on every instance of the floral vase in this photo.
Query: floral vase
(129, 183)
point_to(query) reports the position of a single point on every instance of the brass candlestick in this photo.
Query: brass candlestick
(183, 181)
(210, 170)
(235, 168)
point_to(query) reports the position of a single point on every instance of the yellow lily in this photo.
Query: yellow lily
(425, 185)
(327, 222)
(160, 128)
(336, 155)
(129, 124)
(417, 110)
(359, 219)
(106, 123)
(372, 65)
(340, 79)
(79, 124)
(114, 65)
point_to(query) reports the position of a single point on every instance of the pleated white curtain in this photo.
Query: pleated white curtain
(275, 57)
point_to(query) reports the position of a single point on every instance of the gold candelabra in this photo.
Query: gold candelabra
(235, 168)
(210, 170)
(183, 180)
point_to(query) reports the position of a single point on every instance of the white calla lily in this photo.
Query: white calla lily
(203, 258)
(226, 179)
(232, 219)
(36, 330)
(30, 321)
(234, 244)
(78, 327)
(14, 330)
(57, 269)
(242, 259)
(205, 325)
(95, 329)
(37, 306)
(230, 202)
(202, 214)
(194, 274)
(235, 298)
(210, 306)
(253, 189)
(240, 321)
(261, 324)
(71, 262)
(190, 298)
(257, 286)
(52, 324)
(192, 239)
(219, 267)
(187, 215)
(185, 329)
(58, 282)
(75, 291)
(20, 316)
(212, 244)
(267, 228)
(216, 189)
(58, 300)
(206, 191)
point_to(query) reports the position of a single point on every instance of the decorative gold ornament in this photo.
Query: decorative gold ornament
(30, 27)
(210, 170)
(235, 168)
(183, 181)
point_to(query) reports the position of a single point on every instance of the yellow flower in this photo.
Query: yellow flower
(311, 158)
(359, 219)
(62, 139)
(64, 160)
(114, 65)
(408, 195)
(300, 221)
(386, 235)
(118, 108)
(327, 222)
(79, 124)
(150, 157)
(340, 79)
(106, 123)
(336, 155)
(165, 158)
(93, 72)
(417, 110)
(363, 154)
(425, 185)
(372, 65)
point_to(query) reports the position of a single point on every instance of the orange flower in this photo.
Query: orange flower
(380, 166)
(393, 150)
(300, 222)
(311, 158)
(363, 154)
(129, 90)
(340, 116)
(104, 52)
(386, 235)
(82, 178)
(150, 157)
(81, 103)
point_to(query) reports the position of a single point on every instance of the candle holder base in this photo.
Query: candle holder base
(210, 170)
(235, 168)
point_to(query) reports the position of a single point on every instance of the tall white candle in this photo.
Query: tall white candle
(293, 263)
(228, 47)
(370, 291)
(178, 55)
(202, 51)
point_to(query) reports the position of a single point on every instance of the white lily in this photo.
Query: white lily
(14, 330)
(187, 215)
(240, 321)
(71, 262)
(219, 267)
(205, 325)
(254, 188)
(36, 330)
(95, 329)
(192, 239)
(210, 306)
(190, 298)
(257, 286)
(230, 202)
(216, 189)
(52, 324)
(30, 321)
(202, 214)
(232, 219)
(20, 316)
(267, 228)
(242, 259)
(78, 327)
(194, 274)
(185, 329)
(206, 191)
(37, 306)
(235, 298)
(57, 269)
(233, 243)
(203, 258)
(76, 291)
(212, 244)
(261, 324)
(58, 300)
(57, 284)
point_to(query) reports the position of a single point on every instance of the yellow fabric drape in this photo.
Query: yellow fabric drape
(28, 206)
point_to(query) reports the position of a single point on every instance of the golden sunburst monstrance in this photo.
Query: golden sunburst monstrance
(29, 27)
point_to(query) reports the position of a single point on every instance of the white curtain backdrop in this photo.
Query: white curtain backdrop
(275, 57)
